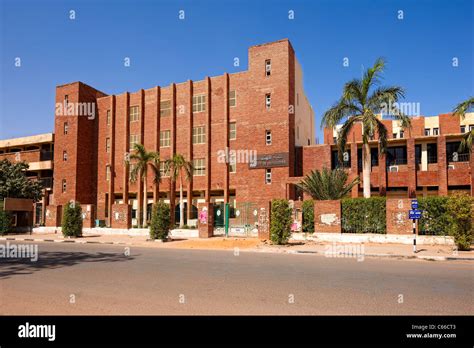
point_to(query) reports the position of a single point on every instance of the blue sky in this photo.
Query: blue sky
(163, 49)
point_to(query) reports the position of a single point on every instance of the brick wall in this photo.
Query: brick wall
(397, 216)
(327, 216)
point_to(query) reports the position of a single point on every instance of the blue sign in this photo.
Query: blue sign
(414, 204)
(414, 214)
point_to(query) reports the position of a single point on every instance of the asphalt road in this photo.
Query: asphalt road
(101, 279)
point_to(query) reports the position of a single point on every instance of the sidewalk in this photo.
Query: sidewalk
(399, 251)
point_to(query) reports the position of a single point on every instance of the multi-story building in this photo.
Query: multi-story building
(37, 151)
(420, 161)
(262, 114)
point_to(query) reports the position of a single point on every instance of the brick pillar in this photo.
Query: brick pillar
(173, 151)
(327, 216)
(226, 136)
(156, 185)
(111, 159)
(264, 219)
(442, 167)
(382, 174)
(206, 220)
(397, 216)
(354, 169)
(209, 139)
(411, 165)
(121, 216)
(189, 196)
(126, 149)
(53, 216)
(88, 215)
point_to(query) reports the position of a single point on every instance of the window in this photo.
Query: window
(64, 185)
(66, 100)
(107, 145)
(432, 153)
(232, 165)
(418, 152)
(268, 100)
(232, 98)
(232, 131)
(268, 67)
(165, 108)
(199, 167)
(66, 128)
(131, 167)
(107, 173)
(396, 155)
(163, 171)
(268, 176)
(165, 138)
(268, 137)
(65, 156)
(134, 114)
(346, 159)
(199, 103)
(435, 131)
(109, 117)
(134, 139)
(471, 127)
(402, 133)
(394, 135)
(199, 135)
(454, 155)
(463, 129)
(427, 131)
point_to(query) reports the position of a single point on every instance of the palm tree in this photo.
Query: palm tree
(142, 161)
(358, 105)
(460, 110)
(328, 184)
(178, 167)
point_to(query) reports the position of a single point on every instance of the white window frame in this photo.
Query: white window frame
(233, 99)
(63, 185)
(107, 145)
(163, 172)
(199, 135)
(165, 138)
(134, 139)
(268, 176)
(232, 132)
(436, 131)
(268, 137)
(108, 117)
(134, 113)
(107, 173)
(199, 103)
(268, 101)
(471, 127)
(199, 167)
(268, 67)
(462, 128)
(427, 132)
(64, 156)
(164, 112)
(66, 128)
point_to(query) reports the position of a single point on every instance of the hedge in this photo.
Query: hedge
(280, 223)
(308, 216)
(5, 221)
(363, 215)
(72, 220)
(160, 221)
(459, 213)
(434, 219)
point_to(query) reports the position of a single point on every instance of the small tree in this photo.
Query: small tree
(280, 225)
(72, 220)
(160, 221)
(5, 222)
(459, 209)
(308, 216)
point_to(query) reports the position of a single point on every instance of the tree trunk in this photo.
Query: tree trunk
(366, 164)
(138, 216)
(145, 200)
(181, 205)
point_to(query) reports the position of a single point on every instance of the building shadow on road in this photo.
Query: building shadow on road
(54, 259)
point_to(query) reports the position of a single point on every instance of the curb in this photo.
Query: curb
(78, 241)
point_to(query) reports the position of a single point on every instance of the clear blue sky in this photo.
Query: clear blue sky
(163, 49)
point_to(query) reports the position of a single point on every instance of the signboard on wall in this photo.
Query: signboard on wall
(271, 161)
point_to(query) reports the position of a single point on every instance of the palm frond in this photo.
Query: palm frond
(372, 76)
(339, 112)
(344, 133)
(462, 108)
(467, 141)
(384, 96)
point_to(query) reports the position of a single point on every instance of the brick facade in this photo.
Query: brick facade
(327, 216)
(397, 216)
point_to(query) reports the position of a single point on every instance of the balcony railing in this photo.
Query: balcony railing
(46, 155)
(46, 182)
(460, 157)
(396, 161)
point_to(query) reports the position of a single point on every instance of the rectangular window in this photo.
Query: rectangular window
(268, 67)
(134, 113)
(109, 118)
(435, 131)
(66, 128)
(199, 103)
(66, 100)
(427, 131)
(432, 153)
(107, 173)
(163, 171)
(471, 127)
(134, 139)
(199, 167)
(402, 134)
(165, 138)
(107, 145)
(232, 98)
(268, 100)
(268, 176)
(268, 137)
(396, 155)
(199, 135)
(131, 167)
(463, 129)
(165, 108)
(394, 135)
(64, 185)
(232, 131)
(64, 156)
(232, 164)
(454, 155)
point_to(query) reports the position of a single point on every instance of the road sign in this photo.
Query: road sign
(414, 204)
(414, 214)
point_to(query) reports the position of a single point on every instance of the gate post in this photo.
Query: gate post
(206, 220)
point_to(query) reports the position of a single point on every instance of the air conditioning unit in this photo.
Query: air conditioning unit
(393, 169)
(451, 166)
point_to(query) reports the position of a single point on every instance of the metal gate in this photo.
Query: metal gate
(243, 220)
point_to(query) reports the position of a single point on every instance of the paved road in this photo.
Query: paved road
(102, 280)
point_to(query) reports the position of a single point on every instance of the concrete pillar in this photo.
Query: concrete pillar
(424, 157)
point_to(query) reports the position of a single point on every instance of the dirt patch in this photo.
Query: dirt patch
(215, 243)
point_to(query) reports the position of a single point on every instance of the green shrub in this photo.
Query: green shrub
(280, 225)
(434, 219)
(364, 215)
(5, 222)
(160, 221)
(308, 216)
(72, 220)
(459, 211)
